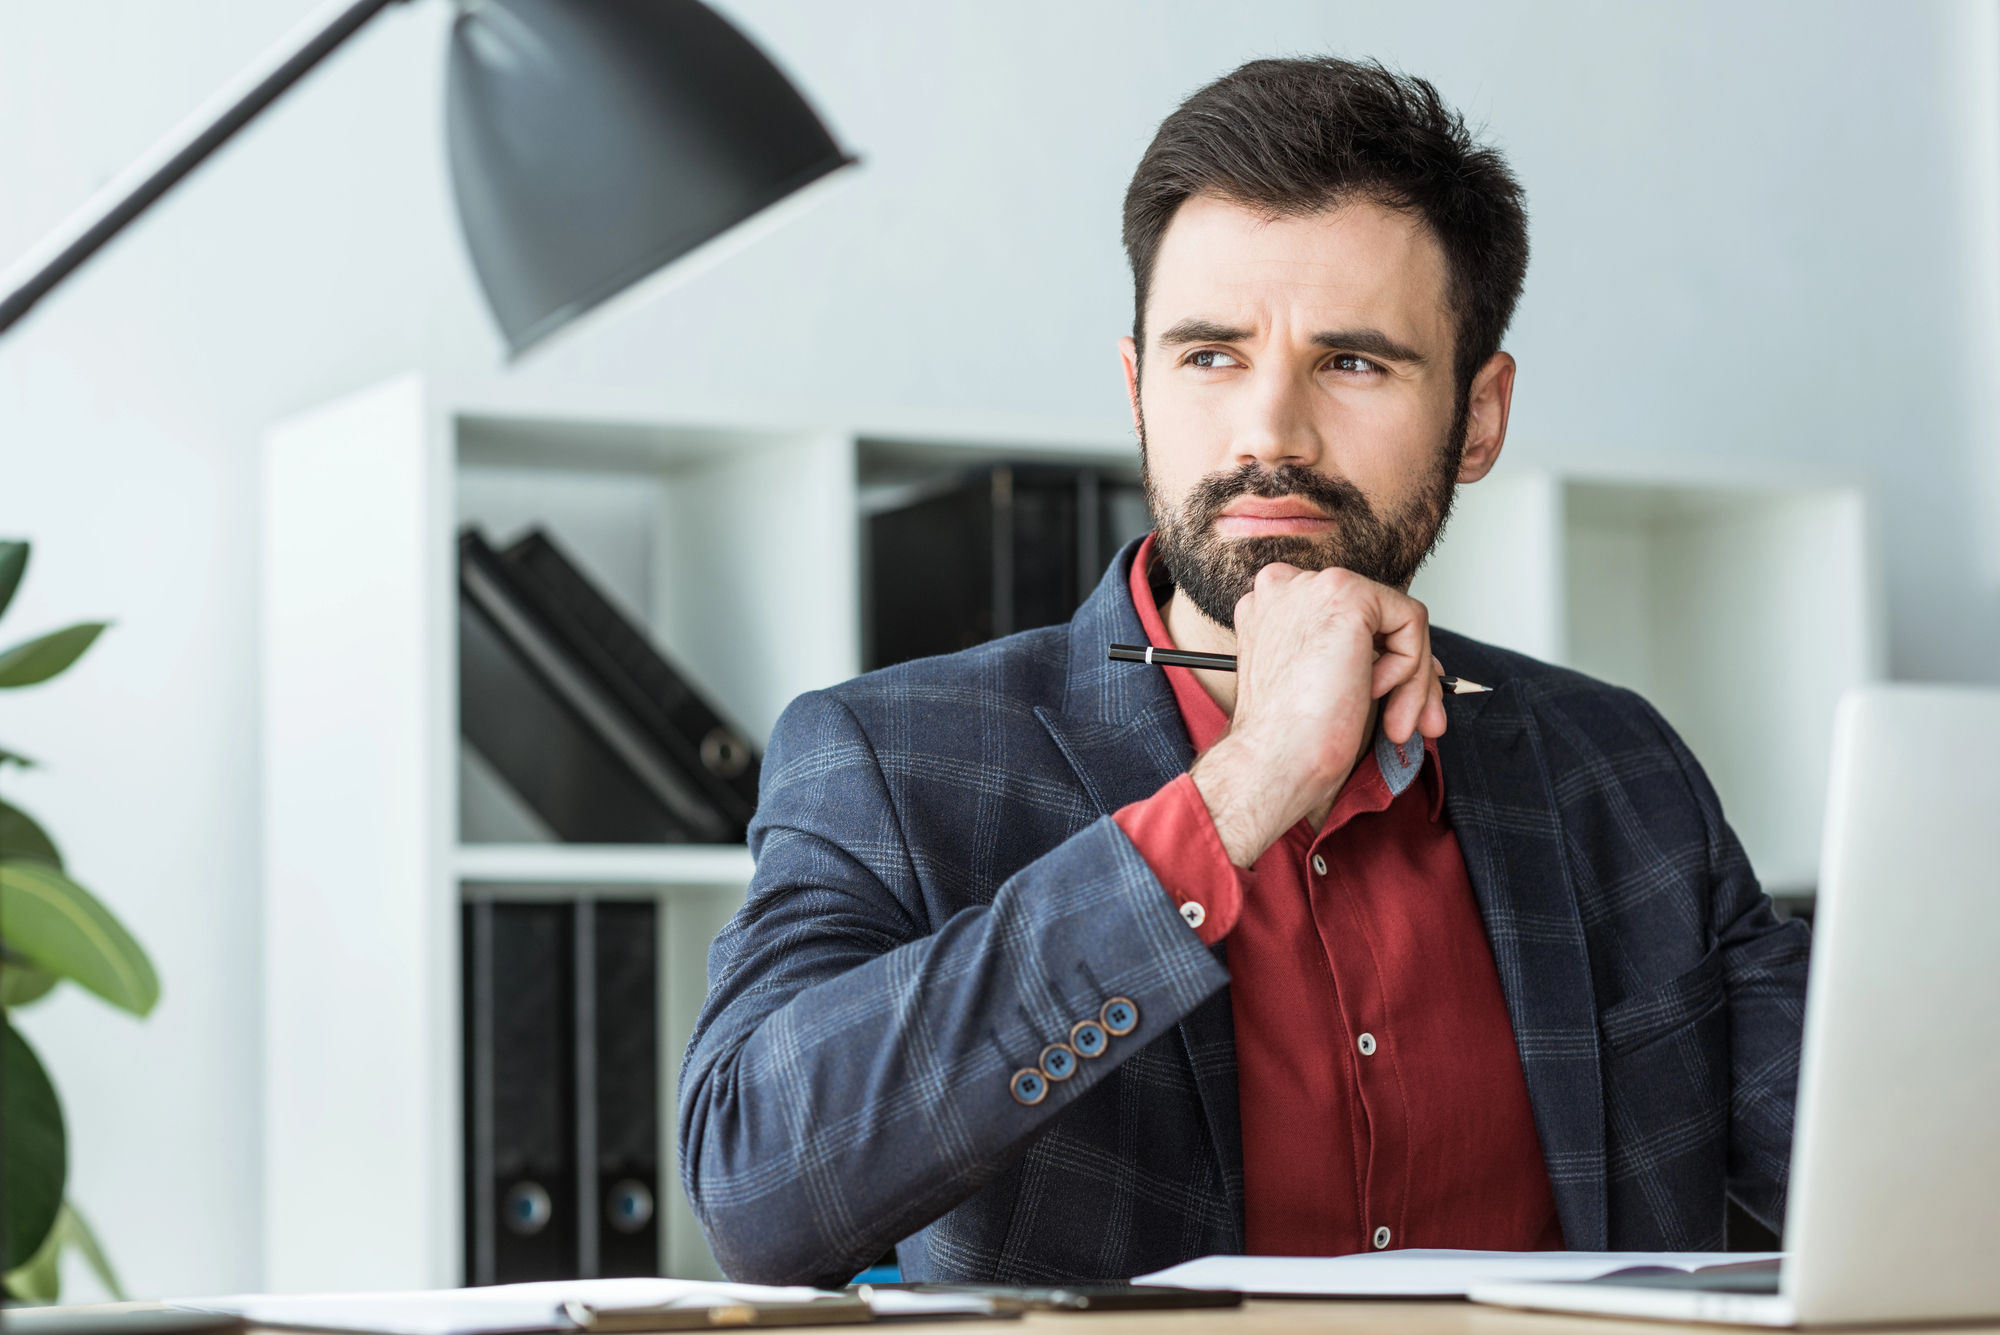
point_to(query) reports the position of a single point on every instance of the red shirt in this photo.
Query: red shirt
(1376, 1069)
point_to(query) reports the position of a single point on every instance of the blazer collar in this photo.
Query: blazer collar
(1119, 726)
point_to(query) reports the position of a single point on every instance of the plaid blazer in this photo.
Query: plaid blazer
(940, 892)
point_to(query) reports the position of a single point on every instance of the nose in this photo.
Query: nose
(1272, 424)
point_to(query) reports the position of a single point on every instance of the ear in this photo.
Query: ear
(1128, 353)
(1486, 419)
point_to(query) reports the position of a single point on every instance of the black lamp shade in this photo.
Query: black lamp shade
(593, 141)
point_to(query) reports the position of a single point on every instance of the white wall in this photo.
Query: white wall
(1750, 225)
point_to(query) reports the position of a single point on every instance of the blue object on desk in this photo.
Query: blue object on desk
(879, 1274)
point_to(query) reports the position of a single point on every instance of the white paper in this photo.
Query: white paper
(1415, 1272)
(490, 1310)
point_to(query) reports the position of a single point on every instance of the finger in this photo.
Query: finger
(1406, 668)
(1403, 639)
(1431, 723)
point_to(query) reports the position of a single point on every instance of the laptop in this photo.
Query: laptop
(1894, 1209)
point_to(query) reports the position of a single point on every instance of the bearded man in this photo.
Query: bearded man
(1056, 969)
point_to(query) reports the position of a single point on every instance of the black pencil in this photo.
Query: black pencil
(1141, 653)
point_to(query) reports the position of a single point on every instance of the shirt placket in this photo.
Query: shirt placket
(1380, 1116)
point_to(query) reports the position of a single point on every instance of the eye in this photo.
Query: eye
(1211, 358)
(1353, 364)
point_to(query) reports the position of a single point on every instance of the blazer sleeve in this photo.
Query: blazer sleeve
(1764, 961)
(849, 1076)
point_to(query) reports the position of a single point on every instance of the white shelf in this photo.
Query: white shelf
(606, 864)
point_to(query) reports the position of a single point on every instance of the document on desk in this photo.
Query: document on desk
(1412, 1273)
(573, 1305)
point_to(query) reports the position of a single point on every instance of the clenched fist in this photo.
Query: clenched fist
(1317, 654)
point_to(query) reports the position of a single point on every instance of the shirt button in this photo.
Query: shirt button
(1367, 1045)
(1381, 1237)
(1319, 864)
(1195, 914)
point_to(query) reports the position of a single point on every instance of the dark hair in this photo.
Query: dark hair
(1298, 136)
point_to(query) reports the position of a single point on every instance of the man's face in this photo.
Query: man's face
(1297, 401)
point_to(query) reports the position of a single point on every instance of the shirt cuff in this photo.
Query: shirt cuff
(1175, 834)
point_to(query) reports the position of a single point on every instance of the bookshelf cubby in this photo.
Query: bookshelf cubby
(739, 547)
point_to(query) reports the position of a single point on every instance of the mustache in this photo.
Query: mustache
(1334, 496)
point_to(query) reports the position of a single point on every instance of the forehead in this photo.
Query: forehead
(1356, 265)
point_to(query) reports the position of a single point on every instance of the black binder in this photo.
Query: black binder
(536, 702)
(619, 654)
(987, 553)
(562, 1090)
(627, 1102)
(521, 1179)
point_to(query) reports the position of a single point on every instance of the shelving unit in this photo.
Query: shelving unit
(738, 547)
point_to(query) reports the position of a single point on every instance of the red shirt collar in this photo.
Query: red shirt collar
(1206, 722)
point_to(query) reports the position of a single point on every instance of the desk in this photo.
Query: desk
(1289, 1317)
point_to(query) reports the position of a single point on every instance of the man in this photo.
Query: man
(1060, 969)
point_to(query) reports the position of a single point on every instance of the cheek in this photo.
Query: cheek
(1387, 444)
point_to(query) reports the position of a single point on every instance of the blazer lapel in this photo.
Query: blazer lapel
(1121, 731)
(1503, 809)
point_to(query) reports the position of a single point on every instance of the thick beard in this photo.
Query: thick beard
(1215, 572)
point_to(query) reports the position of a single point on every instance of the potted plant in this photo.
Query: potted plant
(51, 929)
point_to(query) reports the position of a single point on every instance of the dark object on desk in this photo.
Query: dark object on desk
(537, 704)
(145, 1321)
(1094, 1297)
(561, 1090)
(844, 1310)
(658, 698)
(976, 556)
(1740, 1231)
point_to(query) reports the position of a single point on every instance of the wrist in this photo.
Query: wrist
(1254, 793)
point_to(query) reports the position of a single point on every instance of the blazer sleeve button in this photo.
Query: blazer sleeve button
(1058, 1061)
(1028, 1086)
(1088, 1038)
(1120, 1016)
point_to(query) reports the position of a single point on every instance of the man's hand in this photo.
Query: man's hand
(1315, 651)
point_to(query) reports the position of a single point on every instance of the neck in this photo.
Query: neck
(1189, 628)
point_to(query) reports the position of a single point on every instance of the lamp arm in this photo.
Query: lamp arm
(60, 254)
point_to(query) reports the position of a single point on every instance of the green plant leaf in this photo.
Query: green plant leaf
(13, 565)
(23, 984)
(36, 1150)
(60, 927)
(20, 837)
(40, 1279)
(39, 659)
(16, 758)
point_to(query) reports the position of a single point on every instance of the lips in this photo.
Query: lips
(1267, 516)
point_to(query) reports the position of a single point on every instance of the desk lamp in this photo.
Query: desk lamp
(591, 142)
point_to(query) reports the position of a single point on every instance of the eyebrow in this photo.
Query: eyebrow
(1367, 342)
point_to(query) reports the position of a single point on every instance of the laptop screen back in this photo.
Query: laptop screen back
(1894, 1212)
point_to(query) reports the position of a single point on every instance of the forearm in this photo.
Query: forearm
(837, 1097)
